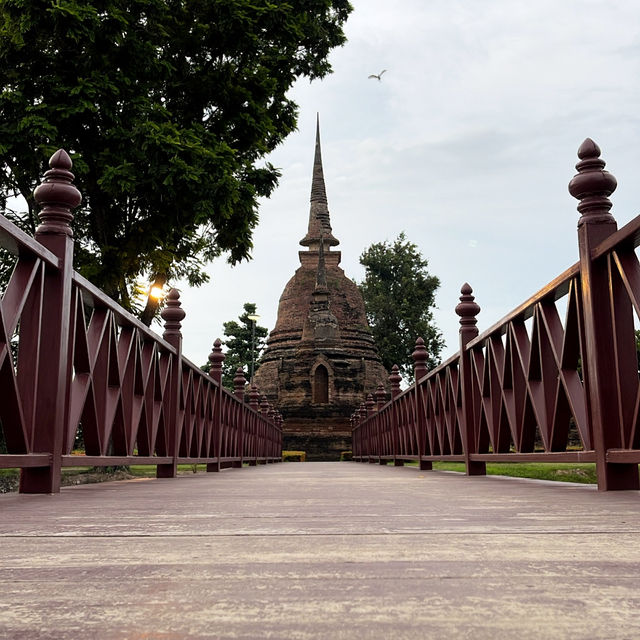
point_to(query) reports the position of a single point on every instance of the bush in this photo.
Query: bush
(294, 456)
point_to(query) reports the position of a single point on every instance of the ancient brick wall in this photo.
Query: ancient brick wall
(320, 361)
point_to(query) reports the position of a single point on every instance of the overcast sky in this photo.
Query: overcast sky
(467, 145)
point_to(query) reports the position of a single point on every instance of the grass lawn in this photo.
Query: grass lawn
(149, 471)
(563, 471)
(84, 475)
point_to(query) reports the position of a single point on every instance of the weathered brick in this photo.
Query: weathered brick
(321, 324)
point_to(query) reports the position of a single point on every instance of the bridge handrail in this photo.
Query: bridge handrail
(535, 387)
(17, 242)
(555, 290)
(93, 297)
(72, 358)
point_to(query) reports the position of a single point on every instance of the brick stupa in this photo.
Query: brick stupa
(320, 360)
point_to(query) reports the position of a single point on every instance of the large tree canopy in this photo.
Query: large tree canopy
(167, 108)
(399, 297)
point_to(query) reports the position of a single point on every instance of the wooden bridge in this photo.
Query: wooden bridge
(321, 550)
(555, 380)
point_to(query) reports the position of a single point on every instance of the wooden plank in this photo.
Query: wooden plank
(446, 458)
(112, 461)
(628, 235)
(553, 456)
(185, 460)
(17, 461)
(17, 241)
(623, 455)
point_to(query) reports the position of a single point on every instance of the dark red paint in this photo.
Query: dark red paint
(521, 389)
(84, 360)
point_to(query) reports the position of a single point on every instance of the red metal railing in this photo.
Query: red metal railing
(556, 380)
(70, 358)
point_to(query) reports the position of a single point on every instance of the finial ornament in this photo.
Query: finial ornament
(254, 397)
(216, 358)
(381, 395)
(172, 314)
(58, 196)
(419, 356)
(239, 383)
(592, 185)
(467, 309)
(394, 380)
(370, 404)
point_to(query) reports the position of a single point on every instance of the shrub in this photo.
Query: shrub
(294, 456)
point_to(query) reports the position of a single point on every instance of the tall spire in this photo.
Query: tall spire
(319, 221)
(318, 192)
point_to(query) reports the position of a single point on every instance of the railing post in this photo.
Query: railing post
(366, 425)
(381, 399)
(602, 365)
(468, 309)
(394, 381)
(279, 437)
(216, 358)
(372, 423)
(273, 447)
(239, 383)
(271, 413)
(173, 314)
(254, 403)
(264, 412)
(57, 196)
(361, 436)
(366, 430)
(420, 370)
(356, 437)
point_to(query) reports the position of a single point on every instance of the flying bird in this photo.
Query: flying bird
(379, 76)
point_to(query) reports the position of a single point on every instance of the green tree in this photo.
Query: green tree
(399, 296)
(238, 345)
(167, 108)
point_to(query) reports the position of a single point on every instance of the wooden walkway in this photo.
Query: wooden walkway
(321, 550)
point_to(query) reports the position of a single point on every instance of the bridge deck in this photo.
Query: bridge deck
(321, 550)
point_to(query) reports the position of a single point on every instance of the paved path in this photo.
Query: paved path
(321, 550)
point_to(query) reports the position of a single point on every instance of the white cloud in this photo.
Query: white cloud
(472, 133)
